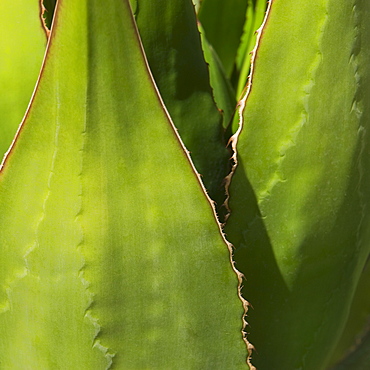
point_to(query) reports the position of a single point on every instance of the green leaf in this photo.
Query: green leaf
(223, 92)
(254, 18)
(110, 252)
(299, 198)
(22, 48)
(358, 321)
(223, 24)
(172, 44)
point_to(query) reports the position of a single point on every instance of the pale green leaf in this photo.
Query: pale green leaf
(299, 198)
(22, 47)
(111, 256)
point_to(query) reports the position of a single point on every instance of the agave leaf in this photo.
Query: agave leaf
(223, 23)
(110, 252)
(299, 197)
(254, 17)
(358, 321)
(223, 92)
(172, 44)
(22, 47)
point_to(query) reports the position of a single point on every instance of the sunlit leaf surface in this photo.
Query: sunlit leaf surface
(299, 198)
(22, 46)
(110, 252)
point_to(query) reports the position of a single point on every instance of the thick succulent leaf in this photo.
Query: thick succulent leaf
(223, 92)
(223, 23)
(299, 198)
(358, 321)
(255, 14)
(172, 44)
(22, 47)
(110, 252)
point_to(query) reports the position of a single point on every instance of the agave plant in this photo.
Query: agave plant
(162, 210)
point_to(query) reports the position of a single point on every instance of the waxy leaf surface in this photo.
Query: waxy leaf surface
(110, 252)
(223, 23)
(22, 47)
(172, 44)
(254, 18)
(299, 198)
(223, 92)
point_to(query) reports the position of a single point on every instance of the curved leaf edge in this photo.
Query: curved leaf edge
(233, 142)
(212, 204)
(50, 37)
(49, 40)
